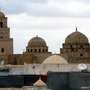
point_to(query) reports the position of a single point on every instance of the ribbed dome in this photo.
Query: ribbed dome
(37, 42)
(2, 15)
(55, 59)
(76, 37)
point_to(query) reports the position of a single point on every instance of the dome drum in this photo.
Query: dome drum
(37, 49)
(76, 45)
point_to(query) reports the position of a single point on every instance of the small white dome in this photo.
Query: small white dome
(55, 59)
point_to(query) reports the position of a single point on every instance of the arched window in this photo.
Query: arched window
(2, 50)
(72, 49)
(1, 24)
(1, 34)
(70, 46)
(28, 50)
(46, 50)
(81, 54)
(35, 50)
(39, 50)
(31, 50)
(43, 50)
(81, 46)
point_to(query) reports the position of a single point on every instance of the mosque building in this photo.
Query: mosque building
(37, 60)
(76, 48)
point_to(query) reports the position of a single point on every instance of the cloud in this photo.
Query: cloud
(48, 8)
(67, 1)
(24, 21)
(52, 9)
(52, 20)
(18, 6)
(40, 1)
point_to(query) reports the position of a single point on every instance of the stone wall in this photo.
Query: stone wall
(68, 81)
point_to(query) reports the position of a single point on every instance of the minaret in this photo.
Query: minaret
(6, 43)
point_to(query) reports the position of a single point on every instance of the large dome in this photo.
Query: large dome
(2, 15)
(55, 59)
(37, 42)
(76, 37)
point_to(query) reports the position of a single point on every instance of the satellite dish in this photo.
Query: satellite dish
(82, 66)
(2, 62)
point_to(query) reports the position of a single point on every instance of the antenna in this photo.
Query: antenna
(76, 28)
(23, 50)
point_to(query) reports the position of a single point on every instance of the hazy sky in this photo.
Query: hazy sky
(52, 20)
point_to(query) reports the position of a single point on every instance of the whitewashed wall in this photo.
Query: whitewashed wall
(39, 68)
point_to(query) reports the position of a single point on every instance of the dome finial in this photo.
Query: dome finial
(36, 35)
(76, 28)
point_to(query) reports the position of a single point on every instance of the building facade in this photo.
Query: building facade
(19, 69)
(76, 48)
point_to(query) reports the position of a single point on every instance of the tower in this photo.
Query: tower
(37, 49)
(76, 48)
(6, 43)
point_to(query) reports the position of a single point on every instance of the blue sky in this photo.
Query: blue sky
(52, 20)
